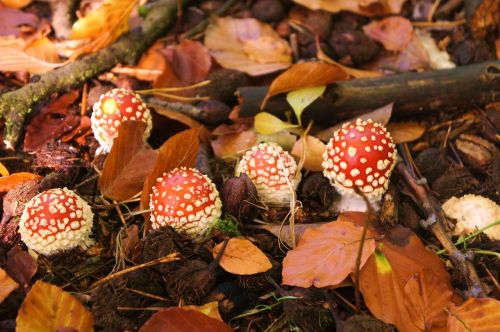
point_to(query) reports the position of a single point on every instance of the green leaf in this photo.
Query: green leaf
(301, 98)
(267, 124)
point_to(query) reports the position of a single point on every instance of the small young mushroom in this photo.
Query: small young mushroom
(360, 154)
(56, 220)
(272, 171)
(186, 200)
(113, 108)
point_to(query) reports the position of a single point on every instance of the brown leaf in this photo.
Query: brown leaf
(150, 66)
(9, 182)
(363, 7)
(7, 285)
(326, 255)
(130, 242)
(394, 32)
(211, 309)
(128, 163)
(48, 307)
(303, 75)
(179, 150)
(247, 45)
(20, 266)
(313, 156)
(52, 122)
(179, 320)
(18, 60)
(242, 257)
(12, 19)
(190, 61)
(404, 132)
(227, 146)
(425, 299)
(485, 18)
(478, 315)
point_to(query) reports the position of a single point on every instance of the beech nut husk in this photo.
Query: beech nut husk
(239, 198)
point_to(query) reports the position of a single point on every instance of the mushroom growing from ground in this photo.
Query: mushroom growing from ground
(186, 200)
(272, 171)
(113, 108)
(56, 220)
(360, 154)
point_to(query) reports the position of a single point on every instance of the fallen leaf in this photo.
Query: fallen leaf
(232, 145)
(242, 257)
(313, 156)
(394, 32)
(247, 45)
(438, 59)
(7, 285)
(9, 182)
(130, 242)
(478, 315)
(3, 170)
(16, 3)
(283, 232)
(151, 64)
(20, 266)
(52, 122)
(426, 299)
(304, 75)
(211, 309)
(363, 7)
(179, 150)
(405, 132)
(183, 118)
(267, 124)
(485, 18)
(48, 308)
(44, 49)
(178, 319)
(301, 98)
(326, 255)
(413, 57)
(11, 21)
(102, 26)
(128, 164)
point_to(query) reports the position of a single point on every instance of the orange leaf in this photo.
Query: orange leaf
(10, 181)
(49, 308)
(179, 320)
(179, 150)
(304, 75)
(231, 145)
(16, 3)
(7, 285)
(326, 255)
(211, 309)
(128, 163)
(242, 257)
(363, 7)
(313, 156)
(425, 299)
(394, 32)
(404, 132)
(478, 315)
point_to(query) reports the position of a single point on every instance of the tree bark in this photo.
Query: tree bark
(15, 105)
(411, 93)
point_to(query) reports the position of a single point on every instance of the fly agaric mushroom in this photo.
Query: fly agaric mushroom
(186, 200)
(56, 220)
(360, 154)
(113, 108)
(272, 171)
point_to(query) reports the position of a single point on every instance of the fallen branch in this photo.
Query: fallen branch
(15, 105)
(412, 93)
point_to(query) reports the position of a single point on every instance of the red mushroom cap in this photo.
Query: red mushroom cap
(360, 154)
(55, 220)
(112, 109)
(272, 171)
(186, 200)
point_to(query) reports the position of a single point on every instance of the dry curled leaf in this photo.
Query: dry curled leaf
(180, 319)
(405, 132)
(481, 315)
(242, 257)
(48, 308)
(394, 32)
(247, 45)
(128, 164)
(326, 255)
(7, 285)
(9, 182)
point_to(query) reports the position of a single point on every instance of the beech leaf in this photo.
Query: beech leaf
(18, 60)
(128, 164)
(231, 145)
(242, 257)
(7, 285)
(475, 315)
(404, 132)
(9, 182)
(313, 156)
(394, 32)
(267, 124)
(301, 98)
(48, 308)
(326, 255)
(211, 309)
(179, 150)
(363, 7)
(179, 319)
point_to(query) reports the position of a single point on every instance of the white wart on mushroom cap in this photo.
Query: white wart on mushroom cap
(113, 108)
(186, 200)
(56, 220)
(272, 171)
(360, 154)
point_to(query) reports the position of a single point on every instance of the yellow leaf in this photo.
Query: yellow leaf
(211, 309)
(404, 132)
(267, 124)
(48, 308)
(16, 3)
(3, 170)
(242, 257)
(301, 98)
(7, 285)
